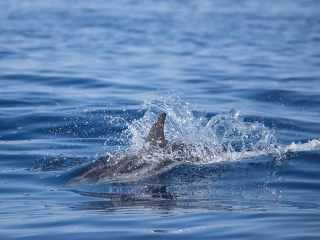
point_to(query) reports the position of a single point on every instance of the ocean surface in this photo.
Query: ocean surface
(238, 80)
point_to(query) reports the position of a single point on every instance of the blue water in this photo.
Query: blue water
(82, 78)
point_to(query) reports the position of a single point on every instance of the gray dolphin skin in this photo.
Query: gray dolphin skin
(156, 134)
(128, 166)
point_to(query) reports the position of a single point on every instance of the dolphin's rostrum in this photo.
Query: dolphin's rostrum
(126, 166)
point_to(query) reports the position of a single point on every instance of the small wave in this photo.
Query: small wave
(311, 145)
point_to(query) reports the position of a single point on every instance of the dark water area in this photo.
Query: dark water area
(239, 81)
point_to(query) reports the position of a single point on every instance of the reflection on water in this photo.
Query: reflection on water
(249, 186)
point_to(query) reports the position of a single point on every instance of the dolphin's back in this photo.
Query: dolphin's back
(111, 168)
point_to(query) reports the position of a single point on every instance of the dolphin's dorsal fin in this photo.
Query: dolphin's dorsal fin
(156, 134)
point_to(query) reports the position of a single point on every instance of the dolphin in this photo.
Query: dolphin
(127, 165)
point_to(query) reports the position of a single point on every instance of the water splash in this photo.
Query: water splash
(196, 139)
(311, 145)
